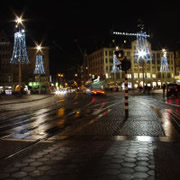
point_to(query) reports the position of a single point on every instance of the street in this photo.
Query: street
(77, 136)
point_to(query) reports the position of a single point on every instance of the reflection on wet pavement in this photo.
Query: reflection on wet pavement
(167, 120)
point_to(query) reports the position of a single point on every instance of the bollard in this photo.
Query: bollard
(126, 94)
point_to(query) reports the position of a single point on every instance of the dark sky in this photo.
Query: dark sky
(66, 24)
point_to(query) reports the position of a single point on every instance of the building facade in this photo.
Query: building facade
(9, 73)
(100, 63)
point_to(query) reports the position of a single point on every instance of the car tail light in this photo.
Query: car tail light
(169, 90)
(176, 90)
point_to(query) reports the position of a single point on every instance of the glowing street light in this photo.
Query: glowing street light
(38, 47)
(164, 52)
(18, 20)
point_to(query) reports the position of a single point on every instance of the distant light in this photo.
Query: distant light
(141, 53)
(164, 52)
(38, 47)
(19, 20)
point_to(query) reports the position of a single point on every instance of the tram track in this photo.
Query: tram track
(70, 118)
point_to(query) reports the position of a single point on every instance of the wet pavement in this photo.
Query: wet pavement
(106, 146)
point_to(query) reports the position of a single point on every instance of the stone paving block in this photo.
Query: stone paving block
(35, 164)
(19, 174)
(44, 168)
(152, 167)
(129, 159)
(142, 163)
(125, 177)
(28, 160)
(151, 172)
(36, 173)
(11, 169)
(142, 158)
(141, 168)
(28, 169)
(127, 170)
(20, 165)
(127, 164)
(140, 175)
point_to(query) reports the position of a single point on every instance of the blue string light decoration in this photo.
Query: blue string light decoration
(142, 49)
(116, 63)
(164, 64)
(19, 55)
(39, 67)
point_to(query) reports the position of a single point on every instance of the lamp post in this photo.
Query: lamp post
(164, 69)
(39, 68)
(38, 51)
(141, 54)
(19, 55)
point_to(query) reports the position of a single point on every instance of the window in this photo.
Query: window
(118, 75)
(106, 60)
(135, 75)
(110, 53)
(129, 76)
(148, 75)
(154, 76)
(105, 53)
(140, 75)
(128, 53)
(159, 75)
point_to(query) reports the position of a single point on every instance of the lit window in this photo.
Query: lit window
(135, 75)
(140, 75)
(129, 76)
(154, 76)
(148, 75)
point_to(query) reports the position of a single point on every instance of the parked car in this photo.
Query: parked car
(172, 90)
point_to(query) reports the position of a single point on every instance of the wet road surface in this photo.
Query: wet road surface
(82, 137)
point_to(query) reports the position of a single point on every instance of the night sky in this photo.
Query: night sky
(66, 25)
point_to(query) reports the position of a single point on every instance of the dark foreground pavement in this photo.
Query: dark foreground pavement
(95, 158)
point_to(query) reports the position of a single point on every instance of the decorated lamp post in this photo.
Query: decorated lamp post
(39, 67)
(19, 55)
(164, 68)
(142, 53)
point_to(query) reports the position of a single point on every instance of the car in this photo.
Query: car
(97, 92)
(172, 90)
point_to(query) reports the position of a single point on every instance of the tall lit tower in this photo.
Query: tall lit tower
(19, 55)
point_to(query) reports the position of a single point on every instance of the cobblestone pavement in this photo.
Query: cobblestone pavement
(92, 159)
